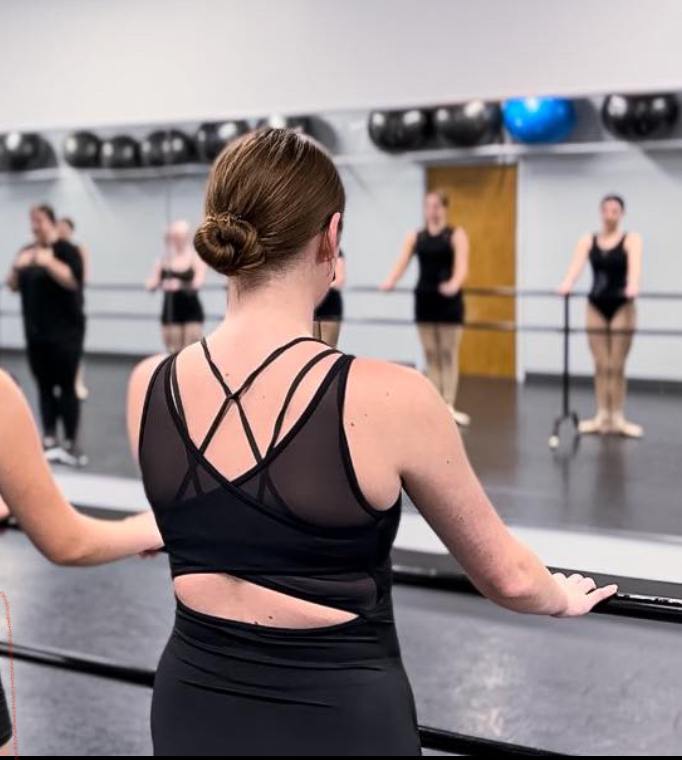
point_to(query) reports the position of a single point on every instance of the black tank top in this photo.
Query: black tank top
(186, 275)
(296, 522)
(610, 270)
(435, 255)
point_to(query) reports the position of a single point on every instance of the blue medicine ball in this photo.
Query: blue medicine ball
(539, 120)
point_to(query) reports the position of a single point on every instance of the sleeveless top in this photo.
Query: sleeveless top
(295, 522)
(435, 256)
(610, 270)
(186, 275)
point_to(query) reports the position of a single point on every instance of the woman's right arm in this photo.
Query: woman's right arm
(138, 384)
(402, 263)
(437, 475)
(60, 532)
(580, 254)
(22, 260)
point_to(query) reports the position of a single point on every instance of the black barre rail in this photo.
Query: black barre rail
(638, 606)
(477, 291)
(73, 662)
(510, 327)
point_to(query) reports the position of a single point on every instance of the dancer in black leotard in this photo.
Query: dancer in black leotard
(180, 275)
(274, 465)
(443, 256)
(329, 313)
(615, 258)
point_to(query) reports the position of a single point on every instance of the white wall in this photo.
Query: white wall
(79, 62)
(558, 202)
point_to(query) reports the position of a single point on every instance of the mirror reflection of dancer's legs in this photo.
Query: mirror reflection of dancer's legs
(449, 340)
(328, 331)
(428, 334)
(599, 342)
(610, 349)
(625, 319)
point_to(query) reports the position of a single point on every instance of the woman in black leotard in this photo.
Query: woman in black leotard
(59, 532)
(443, 256)
(274, 465)
(180, 275)
(329, 313)
(615, 258)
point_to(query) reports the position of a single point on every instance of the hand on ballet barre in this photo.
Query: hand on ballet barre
(564, 289)
(632, 291)
(387, 285)
(582, 594)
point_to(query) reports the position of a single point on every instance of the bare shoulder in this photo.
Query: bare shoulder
(144, 370)
(633, 240)
(138, 386)
(139, 381)
(388, 392)
(10, 392)
(459, 234)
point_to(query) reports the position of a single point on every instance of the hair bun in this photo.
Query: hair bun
(229, 244)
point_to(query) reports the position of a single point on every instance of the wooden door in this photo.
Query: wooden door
(482, 200)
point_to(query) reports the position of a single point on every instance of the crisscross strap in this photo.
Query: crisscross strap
(235, 396)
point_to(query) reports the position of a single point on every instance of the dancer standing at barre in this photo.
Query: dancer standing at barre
(616, 260)
(443, 256)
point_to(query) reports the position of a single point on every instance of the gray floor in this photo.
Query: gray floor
(607, 483)
(594, 686)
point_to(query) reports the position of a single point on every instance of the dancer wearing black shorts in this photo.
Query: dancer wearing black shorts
(442, 254)
(180, 275)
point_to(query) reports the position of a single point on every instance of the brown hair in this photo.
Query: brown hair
(268, 195)
(46, 210)
(441, 195)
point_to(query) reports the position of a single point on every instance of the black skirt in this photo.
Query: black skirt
(5, 721)
(181, 307)
(230, 688)
(331, 308)
(431, 307)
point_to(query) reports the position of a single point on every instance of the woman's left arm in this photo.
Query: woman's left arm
(199, 273)
(460, 270)
(61, 533)
(633, 247)
(67, 274)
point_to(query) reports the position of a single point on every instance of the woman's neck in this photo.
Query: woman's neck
(435, 229)
(49, 239)
(610, 231)
(269, 314)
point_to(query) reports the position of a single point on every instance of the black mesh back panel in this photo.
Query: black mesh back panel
(295, 522)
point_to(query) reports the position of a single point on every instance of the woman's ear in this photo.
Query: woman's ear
(334, 233)
(330, 239)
